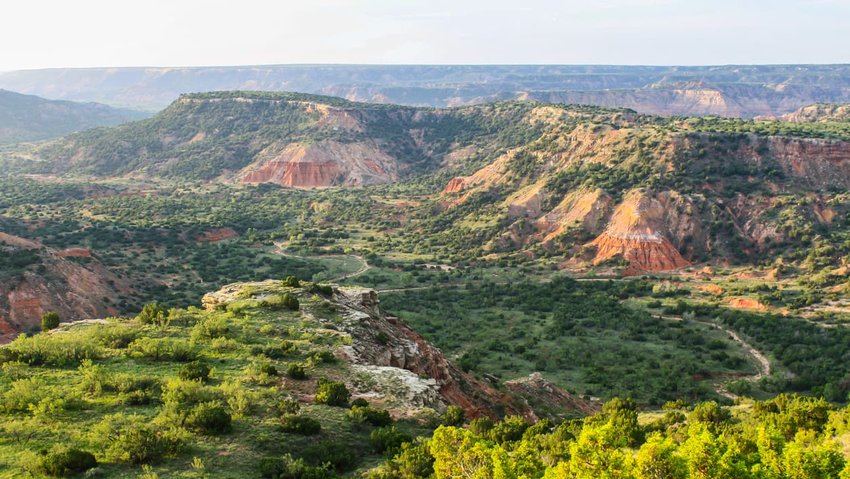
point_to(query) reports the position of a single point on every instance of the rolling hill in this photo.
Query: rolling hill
(30, 118)
(604, 187)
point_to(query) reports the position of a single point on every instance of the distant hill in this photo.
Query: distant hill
(287, 138)
(30, 118)
(730, 91)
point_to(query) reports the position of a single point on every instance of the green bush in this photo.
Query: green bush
(209, 418)
(288, 406)
(303, 425)
(60, 461)
(332, 393)
(137, 440)
(369, 415)
(296, 371)
(336, 454)
(453, 416)
(286, 467)
(49, 321)
(194, 371)
(51, 350)
(162, 349)
(388, 440)
(153, 313)
(291, 281)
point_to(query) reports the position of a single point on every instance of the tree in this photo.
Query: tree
(49, 321)
(657, 459)
(153, 313)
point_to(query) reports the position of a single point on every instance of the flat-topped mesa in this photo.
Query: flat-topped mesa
(636, 233)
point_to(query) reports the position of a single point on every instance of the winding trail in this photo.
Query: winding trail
(764, 369)
(364, 265)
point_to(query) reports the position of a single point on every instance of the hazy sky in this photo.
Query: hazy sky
(78, 33)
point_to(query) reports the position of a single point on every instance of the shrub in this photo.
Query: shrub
(209, 418)
(453, 416)
(162, 349)
(25, 393)
(324, 289)
(332, 393)
(370, 415)
(136, 440)
(60, 461)
(288, 406)
(49, 321)
(336, 454)
(294, 424)
(51, 350)
(286, 467)
(194, 371)
(296, 371)
(153, 313)
(291, 281)
(261, 371)
(388, 440)
(359, 402)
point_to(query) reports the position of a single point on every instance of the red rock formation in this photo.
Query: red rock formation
(636, 233)
(322, 164)
(455, 185)
(218, 234)
(642, 254)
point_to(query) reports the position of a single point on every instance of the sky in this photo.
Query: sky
(113, 33)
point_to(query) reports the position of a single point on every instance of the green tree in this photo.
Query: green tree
(49, 320)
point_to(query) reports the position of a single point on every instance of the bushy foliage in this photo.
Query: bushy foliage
(287, 467)
(59, 461)
(162, 349)
(209, 418)
(49, 321)
(136, 440)
(337, 455)
(153, 313)
(196, 370)
(332, 393)
(388, 440)
(369, 415)
(296, 371)
(51, 350)
(303, 425)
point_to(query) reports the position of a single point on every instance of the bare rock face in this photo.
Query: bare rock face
(73, 290)
(322, 164)
(636, 232)
(382, 340)
(455, 185)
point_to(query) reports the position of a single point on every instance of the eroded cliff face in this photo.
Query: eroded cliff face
(401, 347)
(74, 290)
(637, 232)
(322, 164)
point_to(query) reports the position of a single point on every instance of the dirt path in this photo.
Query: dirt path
(762, 361)
(364, 265)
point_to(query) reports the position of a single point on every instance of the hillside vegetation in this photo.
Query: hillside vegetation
(25, 118)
